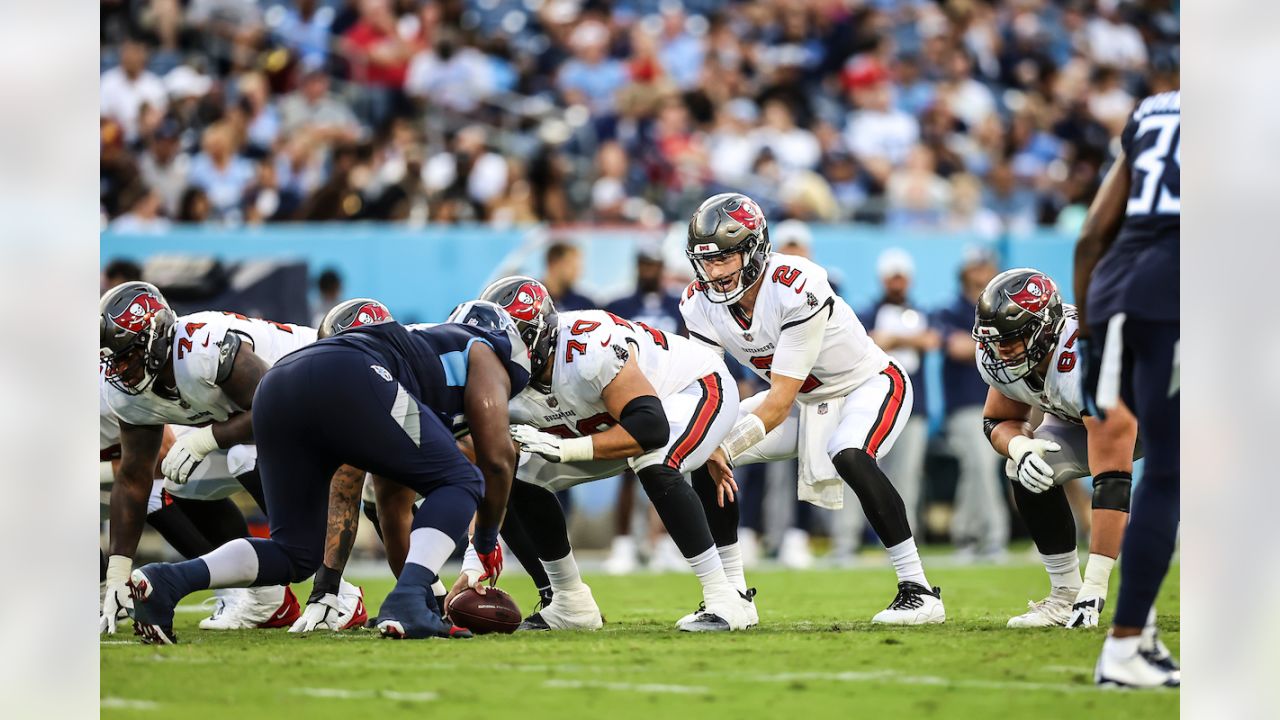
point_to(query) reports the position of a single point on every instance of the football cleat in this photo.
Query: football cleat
(793, 550)
(1053, 611)
(753, 617)
(411, 613)
(1155, 650)
(1085, 613)
(719, 614)
(153, 604)
(351, 603)
(1123, 664)
(567, 610)
(624, 557)
(913, 605)
(271, 606)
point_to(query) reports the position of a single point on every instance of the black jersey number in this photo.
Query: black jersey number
(1160, 141)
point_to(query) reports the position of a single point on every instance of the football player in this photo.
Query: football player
(381, 398)
(1126, 281)
(835, 400)
(1027, 353)
(608, 394)
(197, 370)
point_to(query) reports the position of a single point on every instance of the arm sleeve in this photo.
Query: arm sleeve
(799, 345)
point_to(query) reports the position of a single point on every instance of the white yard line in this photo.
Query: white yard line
(890, 676)
(115, 703)
(342, 694)
(626, 687)
(118, 642)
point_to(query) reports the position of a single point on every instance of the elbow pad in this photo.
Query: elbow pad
(646, 421)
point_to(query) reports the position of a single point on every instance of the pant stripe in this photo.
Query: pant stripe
(703, 416)
(889, 410)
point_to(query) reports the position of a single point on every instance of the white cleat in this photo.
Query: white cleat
(914, 605)
(793, 551)
(720, 614)
(1086, 612)
(1053, 611)
(624, 557)
(568, 610)
(1123, 664)
(753, 616)
(274, 606)
(1155, 650)
(667, 557)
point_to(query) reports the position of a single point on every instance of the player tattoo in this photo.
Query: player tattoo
(344, 516)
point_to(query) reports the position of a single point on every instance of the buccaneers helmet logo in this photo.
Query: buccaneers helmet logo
(134, 317)
(747, 215)
(1035, 294)
(527, 302)
(369, 314)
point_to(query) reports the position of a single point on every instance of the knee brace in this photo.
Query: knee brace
(1111, 490)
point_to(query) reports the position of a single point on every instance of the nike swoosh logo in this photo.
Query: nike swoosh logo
(606, 341)
(284, 610)
(206, 342)
(801, 288)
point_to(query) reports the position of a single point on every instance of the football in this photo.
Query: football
(493, 612)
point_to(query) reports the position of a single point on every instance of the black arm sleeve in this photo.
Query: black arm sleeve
(229, 346)
(645, 419)
(989, 426)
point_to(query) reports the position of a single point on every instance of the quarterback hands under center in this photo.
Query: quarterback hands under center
(1034, 472)
(187, 452)
(553, 448)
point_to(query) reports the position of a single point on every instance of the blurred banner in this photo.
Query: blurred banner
(422, 273)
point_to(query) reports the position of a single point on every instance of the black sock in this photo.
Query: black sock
(1048, 518)
(371, 512)
(542, 519)
(218, 520)
(179, 531)
(521, 545)
(881, 503)
(252, 483)
(102, 576)
(723, 521)
(678, 506)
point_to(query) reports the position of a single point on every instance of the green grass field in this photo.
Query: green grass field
(815, 654)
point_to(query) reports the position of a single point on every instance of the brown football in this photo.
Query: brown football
(493, 612)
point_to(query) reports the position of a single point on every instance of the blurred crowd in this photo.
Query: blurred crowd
(973, 116)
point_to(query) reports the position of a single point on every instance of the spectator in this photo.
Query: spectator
(313, 110)
(681, 52)
(194, 206)
(143, 217)
(1113, 42)
(471, 173)
(220, 172)
(378, 55)
(980, 526)
(128, 88)
(120, 271)
(880, 136)
(917, 196)
(1010, 200)
(970, 100)
(966, 215)
(610, 193)
(795, 148)
(591, 78)
(730, 149)
(164, 167)
(329, 288)
(564, 267)
(304, 29)
(451, 75)
(262, 122)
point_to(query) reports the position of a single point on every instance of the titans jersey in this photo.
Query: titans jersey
(793, 290)
(432, 362)
(591, 348)
(1061, 395)
(1139, 273)
(200, 340)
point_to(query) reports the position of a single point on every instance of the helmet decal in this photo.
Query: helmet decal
(527, 302)
(1035, 294)
(747, 214)
(370, 313)
(140, 309)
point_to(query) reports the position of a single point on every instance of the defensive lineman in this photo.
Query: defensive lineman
(1130, 327)
(1027, 353)
(836, 400)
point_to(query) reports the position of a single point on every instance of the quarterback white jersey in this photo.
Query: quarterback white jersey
(792, 291)
(1062, 394)
(591, 349)
(196, 356)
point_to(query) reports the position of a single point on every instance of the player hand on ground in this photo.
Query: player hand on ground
(1034, 472)
(538, 442)
(323, 613)
(187, 452)
(116, 603)
(722, 473)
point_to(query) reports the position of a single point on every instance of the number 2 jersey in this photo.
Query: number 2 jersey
(591, 348)
(793, 291)
(1138, 275)
(204, 347)
(1061, 394)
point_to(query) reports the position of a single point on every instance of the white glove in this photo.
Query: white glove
(187, 452)
(472, 568)
(1034, 472)
(553, 448)
(323, 614)
(116, 603)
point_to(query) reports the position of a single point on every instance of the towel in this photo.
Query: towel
(818, 482)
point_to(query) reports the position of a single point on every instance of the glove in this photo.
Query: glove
(551, 447)
(187, 452)
(116, 603)
(492, 564)
(323, 613)
(1090, 359)
(1034, 472)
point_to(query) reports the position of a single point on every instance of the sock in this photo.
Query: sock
(731, 561)
(416, 578)
(1121, 648)
(706, 565)
(177, 528)
(563, 573)
(679, 508)
(429, 548)
(1063, 568)
(234, 564)
(906, 562)
(881, 503)
(723, 521)
(1097, 575)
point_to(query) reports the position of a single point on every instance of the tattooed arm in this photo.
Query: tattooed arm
(340, 535)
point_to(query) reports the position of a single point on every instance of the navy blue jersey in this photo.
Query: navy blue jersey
(1139, 273)
(431, 362)
(962, 384)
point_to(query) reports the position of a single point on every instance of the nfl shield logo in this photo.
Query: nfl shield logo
(552, 402)
(747, 336)
(822, 409)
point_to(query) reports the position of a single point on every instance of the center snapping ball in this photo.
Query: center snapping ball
(493, 612)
